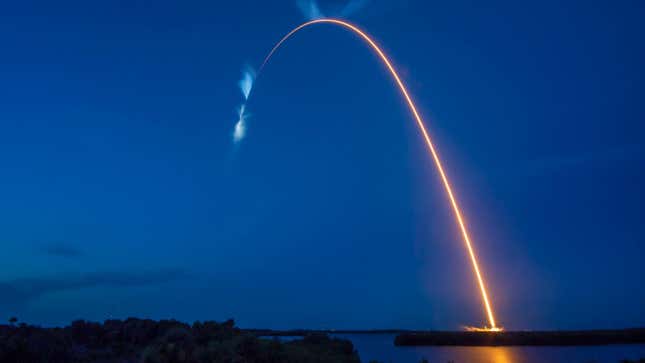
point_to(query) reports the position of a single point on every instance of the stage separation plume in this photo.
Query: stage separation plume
(246, 85)
(493, 327)
(240, 126)
(311, 10)
(352, 7)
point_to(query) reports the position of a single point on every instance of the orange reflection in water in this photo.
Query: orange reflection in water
(501, 355)
(472, 354)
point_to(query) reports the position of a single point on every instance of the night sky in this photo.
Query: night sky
(122, 193)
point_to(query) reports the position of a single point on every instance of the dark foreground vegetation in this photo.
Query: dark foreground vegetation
(165, 341)
(588, 337)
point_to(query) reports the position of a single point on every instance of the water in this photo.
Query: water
(380, 347)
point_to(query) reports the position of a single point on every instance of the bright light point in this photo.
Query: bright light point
(484, 329)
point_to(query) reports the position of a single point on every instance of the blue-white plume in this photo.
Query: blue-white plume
(353, 6)
(246, 85)
(311, 10)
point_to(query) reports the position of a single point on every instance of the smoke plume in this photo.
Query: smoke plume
(246, 85)
(310, 9)
(353, 6)
(240, 127)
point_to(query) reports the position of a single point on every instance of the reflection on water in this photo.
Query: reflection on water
(467, 354)
(380, 347)
(501, 355)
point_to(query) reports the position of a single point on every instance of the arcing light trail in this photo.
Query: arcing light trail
(426, 136)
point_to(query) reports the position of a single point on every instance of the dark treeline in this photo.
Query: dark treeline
(136, 340)
(166, 341)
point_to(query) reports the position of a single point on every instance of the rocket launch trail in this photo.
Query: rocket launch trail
(428, 141)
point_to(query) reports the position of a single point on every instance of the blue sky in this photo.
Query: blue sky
(122, 193)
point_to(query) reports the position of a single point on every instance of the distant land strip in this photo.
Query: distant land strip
(306, 332)
(531, 338)
(465, 338)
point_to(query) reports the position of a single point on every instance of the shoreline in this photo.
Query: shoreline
(522, 338)
(465, 338)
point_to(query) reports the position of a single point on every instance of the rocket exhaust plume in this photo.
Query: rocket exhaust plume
(246, 85)
(353, 6)
(429, 144)
(240, 127)
(310, 9)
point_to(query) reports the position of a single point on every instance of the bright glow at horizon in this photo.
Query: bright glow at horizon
(431, 148)
(484, 329)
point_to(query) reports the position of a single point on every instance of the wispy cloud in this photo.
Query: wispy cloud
(61, 250)
(20, 291)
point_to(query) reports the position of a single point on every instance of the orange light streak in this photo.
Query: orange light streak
(426, 136)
